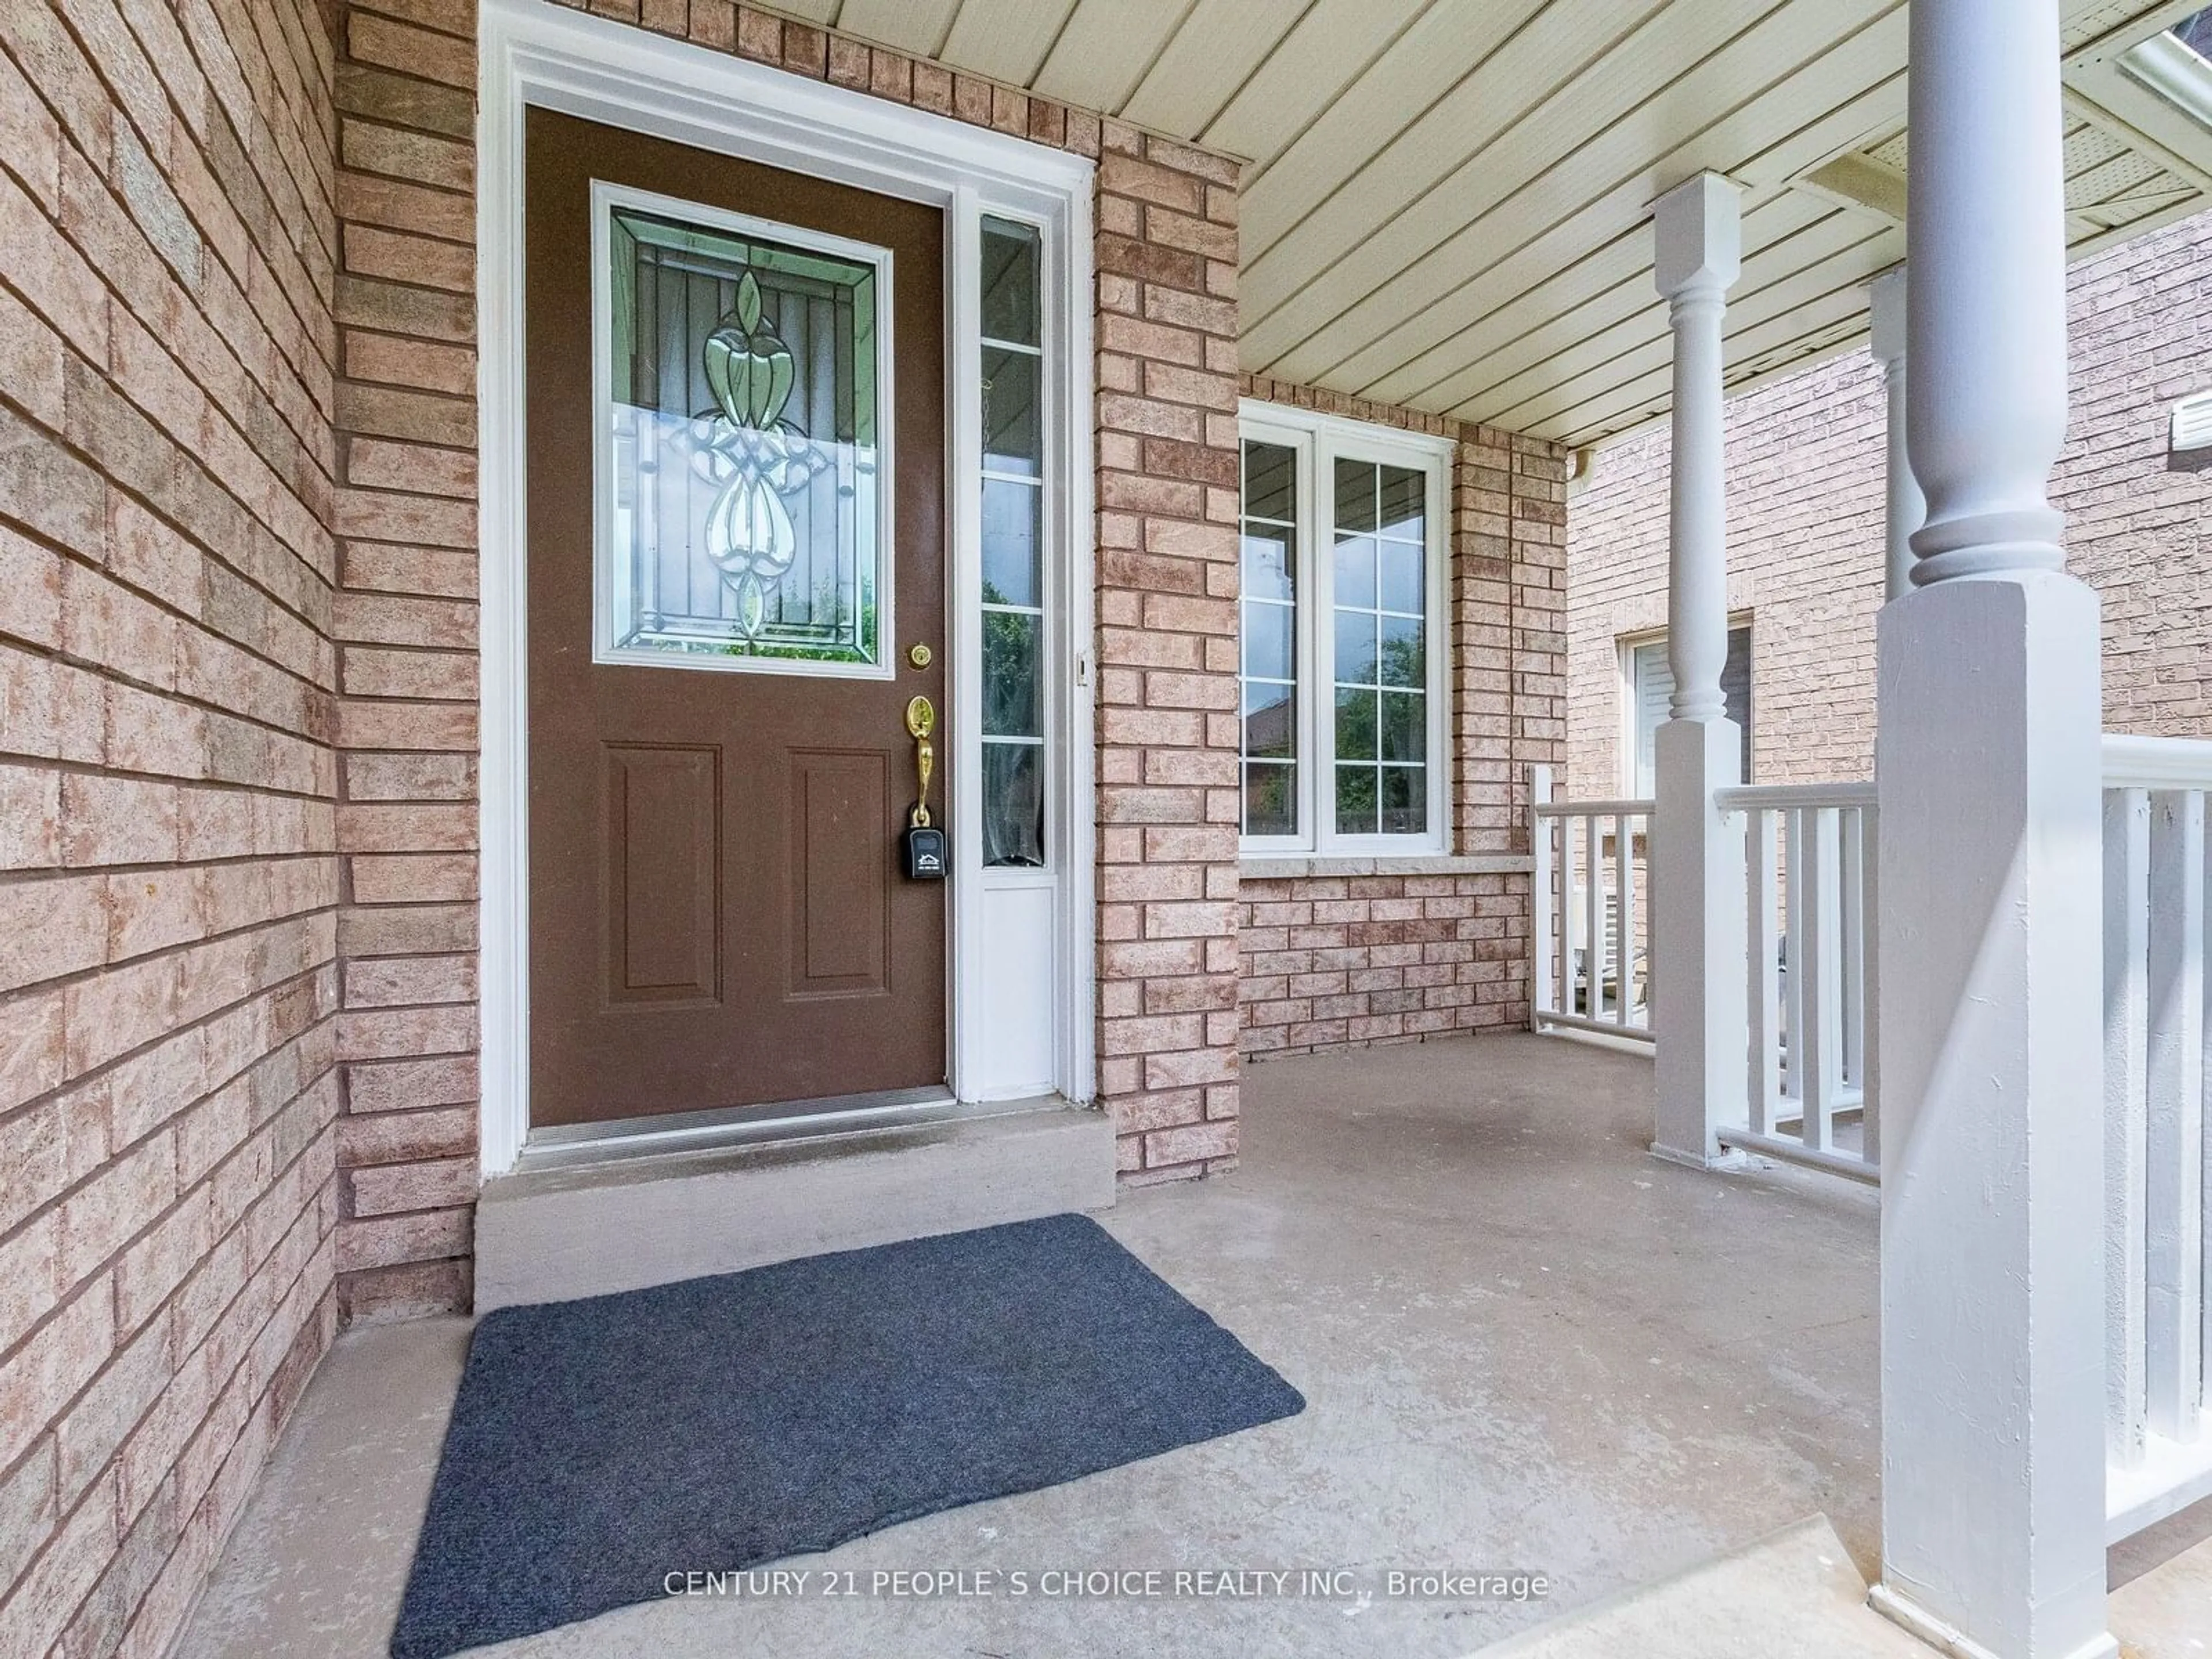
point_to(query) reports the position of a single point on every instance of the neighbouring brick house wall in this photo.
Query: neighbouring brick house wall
(1332, 958)
(167, 887)
(1806, 459)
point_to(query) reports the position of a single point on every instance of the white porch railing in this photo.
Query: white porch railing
(1591, 969)
(1808, 872)
(2158, 1417)
(1809, 869)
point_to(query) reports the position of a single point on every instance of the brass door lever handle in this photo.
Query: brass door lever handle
(922, 725)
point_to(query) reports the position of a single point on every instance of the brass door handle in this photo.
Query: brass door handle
(922, 725)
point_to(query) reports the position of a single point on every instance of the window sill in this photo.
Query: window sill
(1274, 867)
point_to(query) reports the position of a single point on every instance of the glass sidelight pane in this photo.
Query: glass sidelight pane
(1013, 427)
(1012, 704)
(747, 446)
(1013, 805)
(1015, 763)
(1013, 542)
(1010, 282)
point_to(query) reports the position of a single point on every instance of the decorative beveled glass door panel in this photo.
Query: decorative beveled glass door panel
(743, 387)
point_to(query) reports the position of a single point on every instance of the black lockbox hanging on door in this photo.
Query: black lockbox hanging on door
(925, 853)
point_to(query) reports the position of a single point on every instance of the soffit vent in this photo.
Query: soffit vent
(2192, 424)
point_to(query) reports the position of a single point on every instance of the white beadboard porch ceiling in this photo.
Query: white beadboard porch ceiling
(1446, 202)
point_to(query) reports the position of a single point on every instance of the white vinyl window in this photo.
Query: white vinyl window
(1647, 683)
(1342, 635)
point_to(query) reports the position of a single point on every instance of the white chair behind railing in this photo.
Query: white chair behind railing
(2159, 1239)
(1589, 970)
(1808, 873)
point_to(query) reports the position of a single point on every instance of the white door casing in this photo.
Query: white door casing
(1022, 974)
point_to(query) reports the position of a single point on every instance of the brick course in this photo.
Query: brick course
(1806, 458)
(168, 975)
(404, 620)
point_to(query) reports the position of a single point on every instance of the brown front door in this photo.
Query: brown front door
(719, 767)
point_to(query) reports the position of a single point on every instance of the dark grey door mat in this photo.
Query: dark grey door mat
(597, 1446)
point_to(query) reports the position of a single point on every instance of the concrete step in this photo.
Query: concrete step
(1794, 1592)
(551, 1235)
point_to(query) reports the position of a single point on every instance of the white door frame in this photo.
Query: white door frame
(533, 52)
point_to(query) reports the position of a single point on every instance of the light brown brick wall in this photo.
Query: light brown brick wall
(1167, 685)
(1805, 531)
(1330, 961)
(405, 620)
(167, 888)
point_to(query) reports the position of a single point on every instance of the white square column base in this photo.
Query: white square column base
(1700, 973)
(1988, 764)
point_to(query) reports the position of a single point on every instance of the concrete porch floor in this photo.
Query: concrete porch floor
(1525, 1344)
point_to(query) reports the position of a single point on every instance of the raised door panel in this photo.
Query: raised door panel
(664, 856)
(840, 880)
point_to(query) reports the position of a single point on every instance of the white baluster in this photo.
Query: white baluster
(2173, 988)
(1540, 893)
(1593, 916)
(1567, 914)
(1795, 1015)
(1851, 877)
(1762, 899)
(1819, 998)
(1624, 888)
(2127, 947)
(1870, 1007)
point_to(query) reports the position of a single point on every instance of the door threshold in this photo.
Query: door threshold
(574, 1146)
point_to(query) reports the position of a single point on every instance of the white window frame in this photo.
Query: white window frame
(1319, 440)
(1626, 646)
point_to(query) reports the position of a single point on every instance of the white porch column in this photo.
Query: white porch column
(1905, 509)
(1992, 1250)
(1697, 880)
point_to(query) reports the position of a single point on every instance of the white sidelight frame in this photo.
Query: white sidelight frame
(1022, 943)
